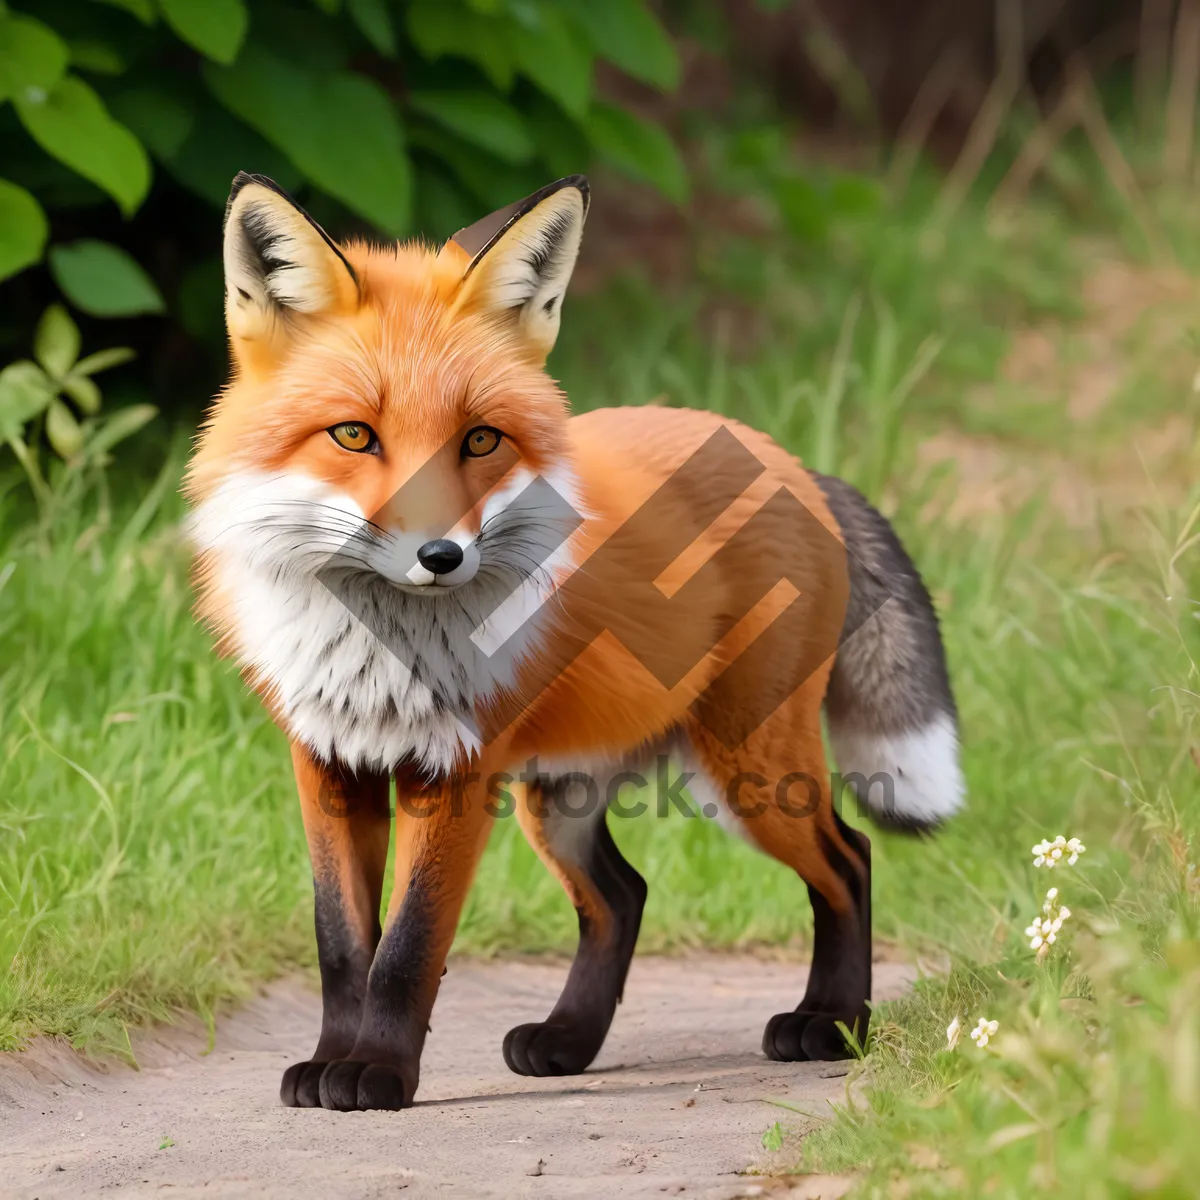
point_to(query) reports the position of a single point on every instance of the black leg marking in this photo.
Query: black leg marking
(571, 1037)
(345, 963)
(382, 1068)
(839, 982)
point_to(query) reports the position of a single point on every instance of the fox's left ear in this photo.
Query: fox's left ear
(280, 267)
(521, 259)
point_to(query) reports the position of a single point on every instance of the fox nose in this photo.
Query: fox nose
(441, 556)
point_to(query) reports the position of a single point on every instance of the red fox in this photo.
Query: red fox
(431, 573)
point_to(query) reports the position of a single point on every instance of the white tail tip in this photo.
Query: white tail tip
(911, 778)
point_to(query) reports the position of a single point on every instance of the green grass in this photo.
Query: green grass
(1080, 706)
(151, 855)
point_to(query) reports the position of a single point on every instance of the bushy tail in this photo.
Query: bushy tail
(890, 709)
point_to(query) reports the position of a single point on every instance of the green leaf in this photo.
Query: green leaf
(630, 37)
(442, 205)
(159, 115)
(439, 28)
(63, 431)
(33, 58)
(491, 181)
(73, 125)
(561, 144)
(98, 57)
(218, 147)
(23, 229)
(102, 280)
(104, 360)
(479, 117)
(84, 392)
(640, 149)
(216, 28)
(773, 1138)
(340, 129)
(375, 24)
(555, 57)
(142, 9)
(122, 424)
(804, 208)
(56, 341)
(25, 391)
(855, 196)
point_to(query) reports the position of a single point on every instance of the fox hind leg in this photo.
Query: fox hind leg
(573, 840)
(839, 981)
(776, 789)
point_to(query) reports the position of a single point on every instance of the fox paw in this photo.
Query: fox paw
(300, 1086)
(810, 1036)
(350, 1086)
(545, 1049)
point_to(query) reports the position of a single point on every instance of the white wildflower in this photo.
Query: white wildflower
(952, 1032)
(984, 1032)
(1043, 931)
(1050, 853)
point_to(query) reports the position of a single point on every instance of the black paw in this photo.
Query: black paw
(812, 1036)
(300, 1086)
(350, 1086)
(547, 1049)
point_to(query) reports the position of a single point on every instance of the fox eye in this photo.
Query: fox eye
(351, 435)
(481, 441)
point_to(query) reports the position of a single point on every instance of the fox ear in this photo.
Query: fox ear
(279, 263)
(521, 259)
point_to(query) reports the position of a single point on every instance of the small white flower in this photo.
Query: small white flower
(1043, 931)
(984, 1032)
(1050, 853)
(952, 1032)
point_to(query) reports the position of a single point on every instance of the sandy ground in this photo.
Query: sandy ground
(675, 1105)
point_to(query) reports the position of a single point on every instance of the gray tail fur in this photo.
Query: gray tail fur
(892, 718)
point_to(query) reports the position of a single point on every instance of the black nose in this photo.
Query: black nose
(441, 557)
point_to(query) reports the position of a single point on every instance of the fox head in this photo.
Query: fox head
(387, 404)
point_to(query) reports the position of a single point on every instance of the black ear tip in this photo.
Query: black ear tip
(242, 178)
(579, 183)
(239, 181)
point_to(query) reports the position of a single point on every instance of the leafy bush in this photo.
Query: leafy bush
(56, 399)
(122, 123)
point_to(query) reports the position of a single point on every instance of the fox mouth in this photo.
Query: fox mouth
(393, 560)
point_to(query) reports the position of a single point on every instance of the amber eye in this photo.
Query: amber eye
(481, 441)
(350, 435)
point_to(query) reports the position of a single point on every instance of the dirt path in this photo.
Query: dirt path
(676, 1104)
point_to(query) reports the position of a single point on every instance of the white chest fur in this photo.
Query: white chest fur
(358, 668)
